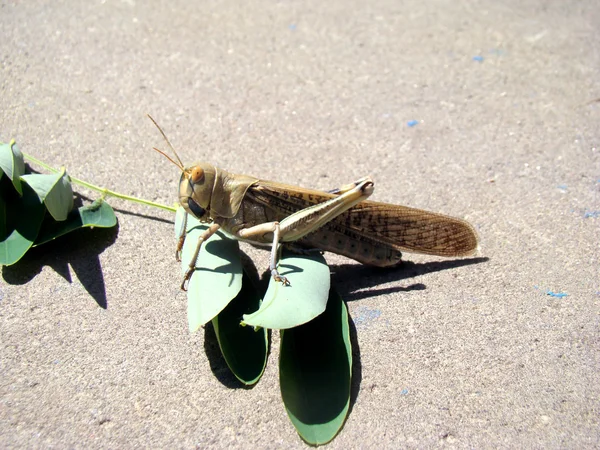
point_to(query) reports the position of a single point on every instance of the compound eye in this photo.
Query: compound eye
(195, 208)
(197, 175)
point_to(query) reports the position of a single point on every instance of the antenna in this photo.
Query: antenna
(180, 165)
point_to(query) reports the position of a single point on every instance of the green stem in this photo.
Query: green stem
(105, 192)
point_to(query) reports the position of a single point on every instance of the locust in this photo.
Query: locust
(341, 220)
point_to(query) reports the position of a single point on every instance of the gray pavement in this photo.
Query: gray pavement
(478, 354)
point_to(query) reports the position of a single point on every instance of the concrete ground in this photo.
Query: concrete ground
(480, 353)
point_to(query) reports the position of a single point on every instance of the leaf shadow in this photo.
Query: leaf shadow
(356, 281)
(77, 251)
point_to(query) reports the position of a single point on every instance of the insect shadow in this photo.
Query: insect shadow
(286, 269)
(78, 250)
(357, 281)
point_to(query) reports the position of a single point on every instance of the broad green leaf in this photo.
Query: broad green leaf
(299, 302)
(315, 368)
(12, 163)
(218, 275)
(244, 349)
(54, 190)
(22, 223)
(98, 214)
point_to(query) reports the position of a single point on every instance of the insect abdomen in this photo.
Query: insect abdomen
(353, 246)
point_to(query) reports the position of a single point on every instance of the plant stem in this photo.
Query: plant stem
(105, 192)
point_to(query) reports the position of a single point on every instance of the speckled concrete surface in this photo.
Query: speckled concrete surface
(474, 354)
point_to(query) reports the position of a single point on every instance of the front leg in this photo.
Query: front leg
(181, 237)
(305, 221)
(212, 229)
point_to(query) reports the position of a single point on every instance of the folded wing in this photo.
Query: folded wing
(371, 232)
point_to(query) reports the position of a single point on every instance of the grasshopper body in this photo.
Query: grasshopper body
(339, 221)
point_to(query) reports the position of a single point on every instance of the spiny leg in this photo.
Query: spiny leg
(307, 220)
(274, 255)
(181, 240)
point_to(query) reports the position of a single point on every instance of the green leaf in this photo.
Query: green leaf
(22, 220)
(299, 302)
(98, 214)
(244, 349)
(180, 222)
(218, 275)
(12, 163)
(315, 368)
(54, 190)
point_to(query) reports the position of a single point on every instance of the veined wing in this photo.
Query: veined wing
(393, 227)
(411, 229)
